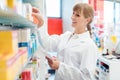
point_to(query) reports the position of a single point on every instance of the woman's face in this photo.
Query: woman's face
(78, 20)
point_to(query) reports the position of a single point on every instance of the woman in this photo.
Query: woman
(76, 50)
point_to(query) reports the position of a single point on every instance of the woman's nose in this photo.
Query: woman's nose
(72, 17)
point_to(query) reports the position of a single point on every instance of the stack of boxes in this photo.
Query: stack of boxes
(15, 48)
(8, 42)
(24, 44)
(8, 54)
(27, 74)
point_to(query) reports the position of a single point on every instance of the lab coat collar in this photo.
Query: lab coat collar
(83, 35)
(78, 38)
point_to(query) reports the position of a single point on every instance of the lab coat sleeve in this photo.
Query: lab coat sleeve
(49, 43)
(86, 69)
(67, 72)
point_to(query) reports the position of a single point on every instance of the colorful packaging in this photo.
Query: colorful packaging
(19, 7)
(15, 5)
(27, 74)
(24, 39)
(8, 42)
(27, 11)
(9, 66)
(11, 4)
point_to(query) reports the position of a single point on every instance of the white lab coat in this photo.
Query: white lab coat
(77, 55)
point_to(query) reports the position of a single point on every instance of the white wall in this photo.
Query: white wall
(67, 6)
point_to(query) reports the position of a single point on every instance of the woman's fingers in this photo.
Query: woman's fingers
(35, 10)
(50, 61)
(54, 58)
(35, 15)
(38, 19)
(53, 63)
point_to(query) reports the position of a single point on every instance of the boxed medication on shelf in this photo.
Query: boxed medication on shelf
(15, 5)
(8, 42)
(27, 74)
(24, 55)
(24, 39)
(23, 36)
(27, 39)
(27, 11)
(9, 66)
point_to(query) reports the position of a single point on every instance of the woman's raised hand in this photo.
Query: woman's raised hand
(37, 17)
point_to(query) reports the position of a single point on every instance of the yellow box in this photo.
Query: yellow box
(10, 66)
(20, 61)
(5, 61)
(24, 56)
(8, 42)
(7, 74)
(11, 3)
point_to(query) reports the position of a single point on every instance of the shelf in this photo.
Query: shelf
(26, 65)
(9, 19)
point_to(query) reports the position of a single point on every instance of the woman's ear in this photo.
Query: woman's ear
(88, 20)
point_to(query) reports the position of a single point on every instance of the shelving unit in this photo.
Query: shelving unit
(12, 21)
(40, 75)
(24, 66)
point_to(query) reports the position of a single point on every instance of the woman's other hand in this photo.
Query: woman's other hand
(37, 17)
(53, 62)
